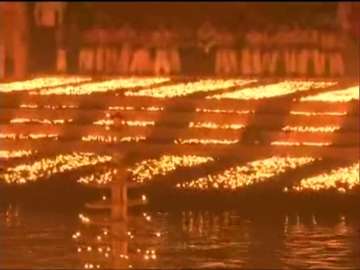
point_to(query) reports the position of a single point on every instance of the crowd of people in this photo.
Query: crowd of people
(59, 40)
(274, 51)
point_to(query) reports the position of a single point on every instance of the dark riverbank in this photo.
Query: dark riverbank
(66, 194)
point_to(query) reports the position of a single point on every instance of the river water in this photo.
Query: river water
(181, 239)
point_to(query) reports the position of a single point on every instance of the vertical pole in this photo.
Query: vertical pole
(119, 220)
(119, 197)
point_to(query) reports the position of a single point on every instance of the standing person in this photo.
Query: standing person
(271, 52)
(128, 35)
(344, 10)
(255, 39)
(61, 63)
(86, 53)
(49, 17)
(175, 62)
(141, 63)
(110, 50)
(302, 44)
(2, 45)
(317, 55)
(226, 57)
(161, 41)
(206, 40)
(245, 63)
(15, 38)
(72, 36)
(188, 50)
(289, 52)
(336, 55)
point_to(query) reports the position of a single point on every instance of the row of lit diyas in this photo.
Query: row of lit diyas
(183, 89)
(112, 139)
(318, 113)
(311, 128)
(111, 122)
(42, 82)
(102, 177)
(213, 125)
(37, 136)
(247, 174)
(137, 123)
(52, 107)
(342, 180)
(40, 121)
(103, 86)
(130, 108)
(272, 90)
(146, 170)
(15, 154)
(287, 143)
(136, 139)
(204, 141)
(224, 111)
(46, 167)
(343, 95)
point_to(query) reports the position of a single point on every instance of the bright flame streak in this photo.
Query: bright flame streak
(344, 95)
(41, 83)
(225, 111)
(121, 108)
(147, 169)
(129, 108)
(46, 167)
(246, 175)
(342, 180)
(40, 121)
(104, 122)
(300, 144)
(112, 139)
(14, 136)
(213, 125)
(52, 107)
(110, 122)
(311, 129)
(183, 89)
(318, 113)
(138, 123)
(15, 154)
(105, 86)
(273, 90)
(29, 106)
(204, 141)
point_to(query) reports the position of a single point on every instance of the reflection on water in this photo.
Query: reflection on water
(192, 239)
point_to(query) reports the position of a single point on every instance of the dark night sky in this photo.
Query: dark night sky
(193, 12)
